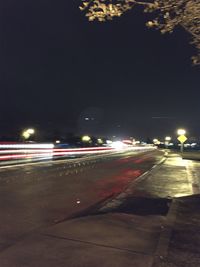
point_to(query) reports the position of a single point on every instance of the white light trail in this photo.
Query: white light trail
(43, 151)
(26, 146)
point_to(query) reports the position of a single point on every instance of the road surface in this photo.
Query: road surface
(38, 195)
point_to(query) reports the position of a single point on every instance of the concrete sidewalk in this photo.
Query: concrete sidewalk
(184, 243)
(102, 240)
(120, 238)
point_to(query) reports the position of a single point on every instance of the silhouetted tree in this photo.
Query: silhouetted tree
(167, 15)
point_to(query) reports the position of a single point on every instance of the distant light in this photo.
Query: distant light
(117, 145)
(168, 138)
(26, 135)
(86, 138)
(137, 142)
(127, 142)
(30, 131)
(78, 201)
(87, 119)
(100, 141)
(57, 141)
(156, 141)
(181, 132)
(194, 144)
(187, 145)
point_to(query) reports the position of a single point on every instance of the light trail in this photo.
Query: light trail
(10, 152)
(24, 146)
(13, 154)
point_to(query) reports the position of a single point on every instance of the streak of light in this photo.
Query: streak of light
(14, 154)
(7, 151)
(21, 146)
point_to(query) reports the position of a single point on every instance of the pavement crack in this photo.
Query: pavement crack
(91, 210)
(96, 244)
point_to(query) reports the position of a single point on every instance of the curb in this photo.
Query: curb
(147, 173)
(117, 200)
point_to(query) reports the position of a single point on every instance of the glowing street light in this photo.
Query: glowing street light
(100, 141)
(27, 133)
(168, 138)
(86, 138)
(30, 131)
(156, 141)
(117, 145)
(181, 131)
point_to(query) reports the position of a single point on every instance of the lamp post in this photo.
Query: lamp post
(182, 138)
(167, 139)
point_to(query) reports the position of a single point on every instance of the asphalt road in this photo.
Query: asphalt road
(38, 195)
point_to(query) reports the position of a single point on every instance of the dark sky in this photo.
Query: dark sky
(56, 69)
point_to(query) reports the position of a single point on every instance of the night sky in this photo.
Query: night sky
(60, 72)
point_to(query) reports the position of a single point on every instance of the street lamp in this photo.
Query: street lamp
(167, 139)
(100, 141)
(156, 141)
(27, 133)
(182, 138)
(181, 131)
(30, 131)
(86, 138)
